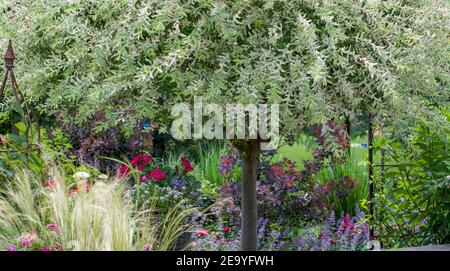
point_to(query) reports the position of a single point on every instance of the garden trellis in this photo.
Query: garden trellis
(27, 115)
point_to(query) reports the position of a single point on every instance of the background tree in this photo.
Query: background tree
(317, 59)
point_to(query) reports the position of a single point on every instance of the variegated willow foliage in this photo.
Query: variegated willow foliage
(317, 59)
(133, 59)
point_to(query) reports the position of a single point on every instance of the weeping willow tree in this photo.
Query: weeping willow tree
(134, 59)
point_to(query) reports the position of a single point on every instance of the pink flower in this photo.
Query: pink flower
(157, 174)
(141, 160)
(227, 229)
(11, 248)
(124, 171)
(186, 165)
(27, 240)
(346, 223)
(58, 247)
(144, 178)
(53, 227)
(49, 183)
(46, 249)
(87, 186)
(202, 232)
(148, 247)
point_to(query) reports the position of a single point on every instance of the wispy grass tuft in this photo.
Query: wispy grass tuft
(103, 218)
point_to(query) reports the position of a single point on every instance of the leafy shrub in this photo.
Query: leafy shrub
(230, 167)
(17, 151)
(91, 146)
(286, 197)
(413, 202)
(56, 146)
(345, 185)
(332, 140)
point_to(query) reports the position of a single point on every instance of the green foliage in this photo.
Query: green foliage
(21, 127)
(348, 185)
(56, 147)
(318, 59)
(208, 157)
(413, 203)
(16, 152)
(205, 156)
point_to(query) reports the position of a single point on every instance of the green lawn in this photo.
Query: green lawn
(297, 153)
(301, 151)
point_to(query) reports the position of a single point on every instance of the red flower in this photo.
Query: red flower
(157, 174)
(186, 165)
(141, 160)
(202, 232)
(124, 171)
(227, 229)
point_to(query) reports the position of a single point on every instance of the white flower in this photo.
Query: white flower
(81, 175)
(103, 177)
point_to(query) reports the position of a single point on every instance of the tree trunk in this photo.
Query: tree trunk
(348, 128)
(250, 153)
(371, 169)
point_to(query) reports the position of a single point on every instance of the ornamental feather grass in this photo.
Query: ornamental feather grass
(100, 218)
